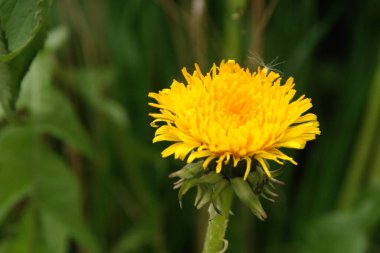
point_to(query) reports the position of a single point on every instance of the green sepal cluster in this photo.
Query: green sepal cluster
(264, 185)
(210, 184)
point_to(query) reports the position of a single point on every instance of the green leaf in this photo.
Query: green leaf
(25, 236)
(54, 234)
(21, 36)
(5, 84)
(50, 110)
(53, 187)
(57, 194)
(338, 233)
(15, 173)
(20, 22)
(21, 63)
(345, 231)
(5, 87)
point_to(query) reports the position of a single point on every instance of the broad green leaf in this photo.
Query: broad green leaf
(50, 110)
(20, 21)
(345, 231)
(21, 63)
(5, 83)
(57, 195)
(5, 87)
(25, 237)
(54, 234)
(53, 188)
(336, 233)
(16, 151)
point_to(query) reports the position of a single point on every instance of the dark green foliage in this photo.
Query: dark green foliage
(21, 25)
(78, 172)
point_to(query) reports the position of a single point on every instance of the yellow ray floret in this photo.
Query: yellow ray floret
(231, 113)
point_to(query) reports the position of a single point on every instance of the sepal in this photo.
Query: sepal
(244, 192)
(210, 185)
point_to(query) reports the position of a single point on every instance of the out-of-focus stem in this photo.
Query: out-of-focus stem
(375, 166)
(374, 173)
(233, 28)
(197, 30)
(260, 16)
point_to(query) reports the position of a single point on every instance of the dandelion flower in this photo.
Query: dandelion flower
(231, 114)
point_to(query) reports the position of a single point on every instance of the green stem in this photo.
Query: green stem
(217, 225)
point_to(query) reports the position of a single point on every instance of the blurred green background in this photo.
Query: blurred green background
(78, 171)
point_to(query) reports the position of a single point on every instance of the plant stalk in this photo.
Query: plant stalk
(217, 225)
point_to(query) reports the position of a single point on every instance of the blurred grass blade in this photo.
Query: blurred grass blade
(91, 84)
(133, 240)
(365, 141)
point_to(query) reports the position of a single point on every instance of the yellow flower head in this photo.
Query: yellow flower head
(231, 113)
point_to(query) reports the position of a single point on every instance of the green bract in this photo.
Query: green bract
(210, 185)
